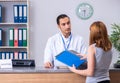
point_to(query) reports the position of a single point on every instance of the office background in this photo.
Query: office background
(43, 15)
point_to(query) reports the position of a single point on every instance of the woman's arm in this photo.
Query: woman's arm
(90, 64)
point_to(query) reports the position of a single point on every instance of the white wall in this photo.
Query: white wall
(43, 15)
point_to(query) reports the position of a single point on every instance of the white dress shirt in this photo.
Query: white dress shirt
(56, 44)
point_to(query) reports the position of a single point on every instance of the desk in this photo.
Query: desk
(41, 75)
(41, 78)
(115, 75)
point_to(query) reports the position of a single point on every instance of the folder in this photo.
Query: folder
(24, 55)
(3, 55)
(20, 13)
(20, 55)
(24, 37)
(24, 13)
(0, 55)
(15, 36)
(70, 58)
(7, 56)
(0, 37)
(20, 37)
(15, 55)
(11, 37)
(0, 13)
(16, 13)
(11, 55)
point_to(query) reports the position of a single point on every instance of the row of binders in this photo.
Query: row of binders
(20, 13)
(13, 55)
(18, 37)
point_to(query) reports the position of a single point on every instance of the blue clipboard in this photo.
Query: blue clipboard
(69, 58)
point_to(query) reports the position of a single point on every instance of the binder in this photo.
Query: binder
(7, 56)
(0, 13)
(24, 13)
(15, 36)
(3, 55)
(0, 55)
(16, 13)
(70, 58)
(11, 55)
(0, 37)
(11, 37)
(15, 55)
(24, 37)
(24, 55)
(20, 37)
(20, 13)
(20, 55)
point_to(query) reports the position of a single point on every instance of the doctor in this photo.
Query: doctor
(64, 40)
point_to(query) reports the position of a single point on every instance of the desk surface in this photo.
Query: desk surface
(40, 70)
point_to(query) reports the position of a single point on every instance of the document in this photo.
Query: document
(70, 58)
(6, 63)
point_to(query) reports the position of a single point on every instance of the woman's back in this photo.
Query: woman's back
(102, 63)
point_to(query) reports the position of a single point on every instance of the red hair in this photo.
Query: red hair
(99, 36)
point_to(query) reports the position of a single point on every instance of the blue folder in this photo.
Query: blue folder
(69, 58)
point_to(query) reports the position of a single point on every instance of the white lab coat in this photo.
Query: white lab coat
(55, 45)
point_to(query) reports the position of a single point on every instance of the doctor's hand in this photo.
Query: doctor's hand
(82, 56)
(48, 65)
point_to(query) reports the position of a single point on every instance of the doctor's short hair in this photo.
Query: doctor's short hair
(60, 17)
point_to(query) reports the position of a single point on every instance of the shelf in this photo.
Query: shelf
(5, 47)
(15, 31)
(13, 23)
(13, 0)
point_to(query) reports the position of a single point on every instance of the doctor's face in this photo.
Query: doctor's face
(65, 26)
